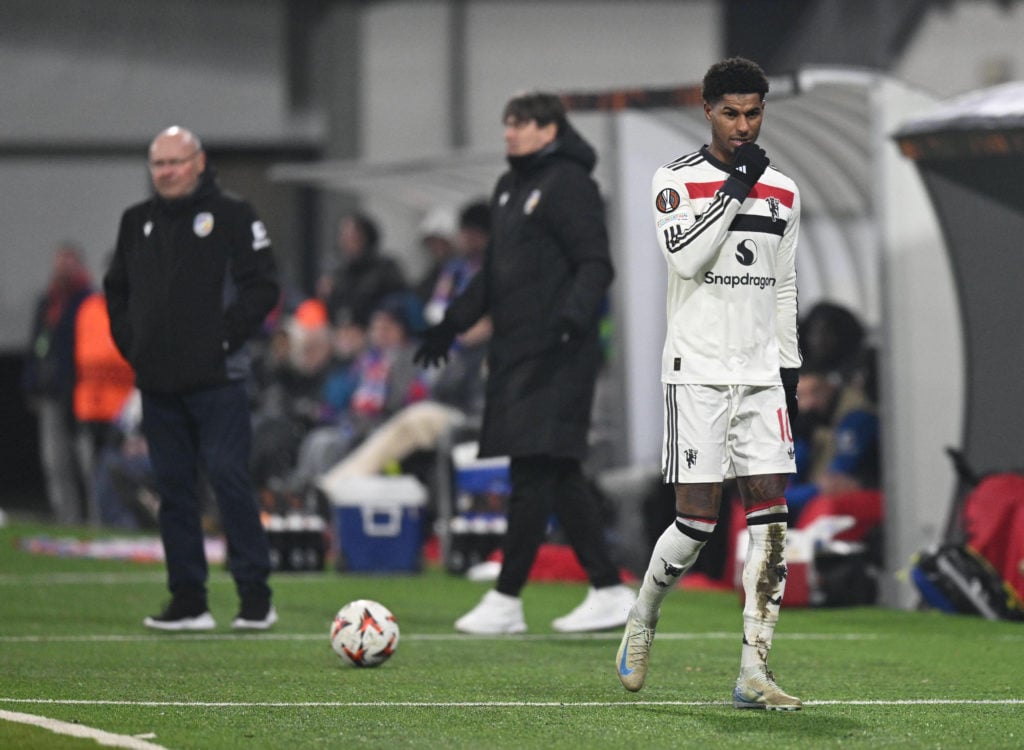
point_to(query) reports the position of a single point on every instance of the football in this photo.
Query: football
(364, 633)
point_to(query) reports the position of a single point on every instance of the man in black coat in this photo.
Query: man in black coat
(545, 276)
(192, 278)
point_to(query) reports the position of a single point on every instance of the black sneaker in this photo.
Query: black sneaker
(255, 615)
(181, 614)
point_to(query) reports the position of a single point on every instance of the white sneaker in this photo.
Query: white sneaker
(603, 609)
(496, 614)
(182, 615)
(249, 621)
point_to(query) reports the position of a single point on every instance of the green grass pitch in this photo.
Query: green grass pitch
(72, 649)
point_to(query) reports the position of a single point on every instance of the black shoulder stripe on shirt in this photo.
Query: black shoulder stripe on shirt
(688, 160)
(762, 224)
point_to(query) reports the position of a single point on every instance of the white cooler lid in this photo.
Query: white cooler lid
(380, 490)
(464, 456)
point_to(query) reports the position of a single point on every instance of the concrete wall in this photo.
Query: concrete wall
(85, 86)
(103, 72)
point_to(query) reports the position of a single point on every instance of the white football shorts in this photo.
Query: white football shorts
(713, 432)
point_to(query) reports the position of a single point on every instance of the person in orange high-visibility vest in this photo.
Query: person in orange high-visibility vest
(103, 382)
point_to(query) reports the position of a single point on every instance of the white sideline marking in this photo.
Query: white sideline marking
(48, 579)
(155, 576)
(456, 637)
(492, 704)
(80, 730)
(459, 637)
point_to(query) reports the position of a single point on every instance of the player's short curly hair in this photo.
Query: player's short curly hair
(735, 75)
(535, 105)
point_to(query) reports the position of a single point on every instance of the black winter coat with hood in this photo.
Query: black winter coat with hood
(544, 280)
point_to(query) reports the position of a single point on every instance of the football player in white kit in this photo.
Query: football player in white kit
(727, 224)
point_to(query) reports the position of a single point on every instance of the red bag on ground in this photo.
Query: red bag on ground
(993, 519)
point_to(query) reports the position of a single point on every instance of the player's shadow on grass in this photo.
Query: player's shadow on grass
(811, 725)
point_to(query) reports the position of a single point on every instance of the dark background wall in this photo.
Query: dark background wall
(980, 205)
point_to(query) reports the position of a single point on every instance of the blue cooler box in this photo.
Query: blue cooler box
(379, 521)
(478, 524)
(479, 476)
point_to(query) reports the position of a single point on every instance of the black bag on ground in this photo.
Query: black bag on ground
(955, 578)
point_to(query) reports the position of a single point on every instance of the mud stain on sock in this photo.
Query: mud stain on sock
(773, 573)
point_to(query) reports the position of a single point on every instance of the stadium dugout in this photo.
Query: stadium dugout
(970, 154)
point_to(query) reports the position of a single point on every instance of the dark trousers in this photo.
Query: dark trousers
(540, 485)
(208, 428)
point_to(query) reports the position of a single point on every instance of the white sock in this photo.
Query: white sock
(764, 581)
(674, 553)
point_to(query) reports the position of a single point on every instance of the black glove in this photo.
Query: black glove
(436, 341)
(790, 378)
(748, 164)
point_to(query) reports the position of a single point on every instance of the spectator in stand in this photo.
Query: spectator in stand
(832, 344)
(841, 450)
(832, 337)
(364, 275)
(471, 244)
(290, 401)
(269, 359)
(474, 232)
(437, 238)
(457, 393)
(387, 381)
(123, 482)
(342, 378)
(48, 380)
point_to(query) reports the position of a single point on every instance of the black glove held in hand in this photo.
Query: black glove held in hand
(790, 377)
(437, 340)
(749, 163)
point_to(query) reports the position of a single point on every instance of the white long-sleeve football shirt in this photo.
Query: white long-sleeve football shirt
(732, 298)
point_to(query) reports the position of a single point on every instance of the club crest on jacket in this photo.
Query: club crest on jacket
(202, 225)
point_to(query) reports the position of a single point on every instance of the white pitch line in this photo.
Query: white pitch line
(457, 637)
(60, 579)
(100, 736)
(441, 637)
(63, 579)
(495, 704)
(923, 702)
